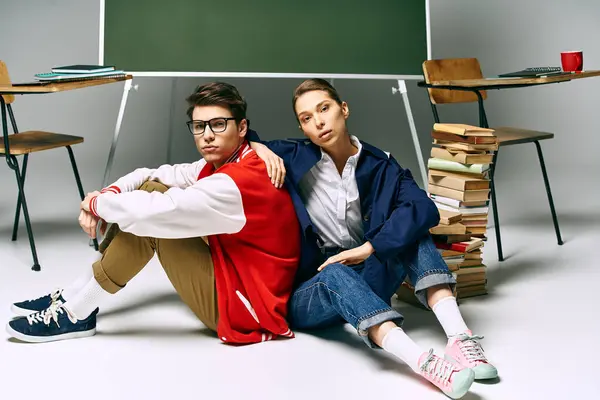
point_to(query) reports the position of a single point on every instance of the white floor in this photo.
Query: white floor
(540, 322)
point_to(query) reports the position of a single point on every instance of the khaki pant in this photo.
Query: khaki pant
(187, 262)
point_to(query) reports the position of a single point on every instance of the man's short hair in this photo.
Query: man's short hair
(310, 85)
(218, 94)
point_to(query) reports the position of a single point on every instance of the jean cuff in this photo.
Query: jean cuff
(374, 319)
(430, 280)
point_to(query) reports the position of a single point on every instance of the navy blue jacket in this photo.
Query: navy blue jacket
(395, 211)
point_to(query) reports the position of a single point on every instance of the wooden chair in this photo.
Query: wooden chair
(469, 68)
(22, 144)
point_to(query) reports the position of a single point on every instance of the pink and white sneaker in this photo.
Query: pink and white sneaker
(466, 350)
(451, 378)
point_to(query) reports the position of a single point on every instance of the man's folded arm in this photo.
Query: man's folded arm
(179, 176)
(213, 205)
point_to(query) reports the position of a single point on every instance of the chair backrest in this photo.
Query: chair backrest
(5, 80)
(451, 69)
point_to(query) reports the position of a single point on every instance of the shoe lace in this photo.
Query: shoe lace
(471, 348)
(54, 295)
(50, 314)
(437, 368)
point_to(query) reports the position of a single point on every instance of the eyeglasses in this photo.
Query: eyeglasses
(217, 125)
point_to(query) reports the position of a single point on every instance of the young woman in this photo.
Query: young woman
(365, 226)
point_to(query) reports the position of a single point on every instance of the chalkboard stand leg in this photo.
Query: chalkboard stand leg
(113, 146)
(413, 130)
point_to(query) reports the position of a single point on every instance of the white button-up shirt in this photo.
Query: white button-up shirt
(333, 201)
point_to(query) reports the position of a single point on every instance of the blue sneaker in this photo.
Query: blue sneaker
(54, 323)
(27, 307)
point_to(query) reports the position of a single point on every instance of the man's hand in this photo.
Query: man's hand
(85, 204)
(274, 163)
(89, 223)
(350, 257)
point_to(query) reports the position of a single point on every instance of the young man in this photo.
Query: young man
(365, 226)
(237, 284)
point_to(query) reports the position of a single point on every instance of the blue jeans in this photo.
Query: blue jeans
(339, 293)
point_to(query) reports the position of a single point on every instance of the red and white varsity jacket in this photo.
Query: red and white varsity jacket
(252, 229)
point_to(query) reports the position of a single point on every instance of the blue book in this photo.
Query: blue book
(82, 69)
(50, 76)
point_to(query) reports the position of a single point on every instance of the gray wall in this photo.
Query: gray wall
(505, 36)
(509, 35)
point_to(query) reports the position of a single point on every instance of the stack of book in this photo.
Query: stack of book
(459, 184)
(461, 252)
(450, 228)
(70, 73)
(469, 269)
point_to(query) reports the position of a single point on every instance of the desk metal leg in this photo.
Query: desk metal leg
(15, 232)
(495, 207)
(23, 173)
(549, 193)
(413, 131)
(113, 146)
(13, 164)
(15, 167)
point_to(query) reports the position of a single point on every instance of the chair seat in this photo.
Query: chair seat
(32, 141)
(508, 136)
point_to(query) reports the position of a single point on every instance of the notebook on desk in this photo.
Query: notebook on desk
(535, 72)
(82, 69)
(50, 76)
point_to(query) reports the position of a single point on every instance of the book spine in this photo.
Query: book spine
(446, 201)
(449, 128)
(459, 247)
(452, 137)
(447, 192)
(454, 229)
(466, 146)
(438, 152)
(446, 165)
(449, 182)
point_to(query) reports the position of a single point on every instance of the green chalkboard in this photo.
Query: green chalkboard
(379, 37)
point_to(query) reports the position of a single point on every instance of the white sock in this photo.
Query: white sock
(447, 312)
(84, 302)
(397, 342)
(75, 287)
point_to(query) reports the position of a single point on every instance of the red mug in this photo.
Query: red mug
(572, 61)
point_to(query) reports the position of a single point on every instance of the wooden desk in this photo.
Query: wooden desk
(54, 87)
(505, 83)
(478, 85)
(7, 92)
(447, 94)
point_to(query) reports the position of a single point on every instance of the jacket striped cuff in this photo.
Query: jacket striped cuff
(94, 206)
(111, 189)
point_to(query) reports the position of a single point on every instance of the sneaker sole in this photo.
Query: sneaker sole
(483, 375)
(480, 376)
(21, 312)
(44, 339)
(457, 394)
